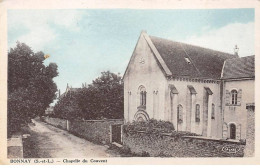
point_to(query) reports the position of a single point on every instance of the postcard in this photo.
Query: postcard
(146, 82)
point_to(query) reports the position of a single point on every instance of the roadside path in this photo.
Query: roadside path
(47, 141)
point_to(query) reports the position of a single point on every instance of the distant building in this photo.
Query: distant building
(70, 90)
(197, 89)
(49, 110)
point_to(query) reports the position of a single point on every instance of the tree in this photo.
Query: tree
(30, 85)
(67, 107)
(104, 98)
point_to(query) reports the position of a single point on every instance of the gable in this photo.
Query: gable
(145, 59)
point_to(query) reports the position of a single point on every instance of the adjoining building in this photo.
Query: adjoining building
(197, 89)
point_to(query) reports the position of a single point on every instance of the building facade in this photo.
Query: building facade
(186, 85)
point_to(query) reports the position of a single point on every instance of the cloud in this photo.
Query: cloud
(41, 25)
(68, 19)
(38, 38)
(225, 38)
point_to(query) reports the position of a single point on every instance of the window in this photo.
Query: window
(234, 97)
(232, 131)
(142, 92)
(180, 113)
(197, 114)
(213, 111)
(187, 60)
(143, 98)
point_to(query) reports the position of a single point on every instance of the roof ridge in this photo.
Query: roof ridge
(241, 57)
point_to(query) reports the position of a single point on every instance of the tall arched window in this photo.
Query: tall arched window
(142, 92)
(197, 113)
(213, 111)
(234, 97)
(232, 131)
(180, 113)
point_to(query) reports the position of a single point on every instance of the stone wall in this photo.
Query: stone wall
(250, 134)
(177, 146)
(97, 131)
(15, 147)
(94, 130)
(57, 122)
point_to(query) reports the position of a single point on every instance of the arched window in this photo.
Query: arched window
(142, 92)
(234, 97)
(180, 113)
(213, 111)
(232, 131)
(197, 113)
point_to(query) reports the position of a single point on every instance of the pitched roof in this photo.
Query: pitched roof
(200, 62)
(243, 67)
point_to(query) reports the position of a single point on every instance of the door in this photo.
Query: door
(116, 133)
(232, 131)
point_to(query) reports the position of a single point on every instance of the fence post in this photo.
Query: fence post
(68, 125)
(122, 134)
(110, 129)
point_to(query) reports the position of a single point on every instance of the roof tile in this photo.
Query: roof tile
(205, 63)
(243, 67)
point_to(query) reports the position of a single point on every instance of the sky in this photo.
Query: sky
(85, 42)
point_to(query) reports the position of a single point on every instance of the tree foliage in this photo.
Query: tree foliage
(103, 99)
(30, 85)
(67, 107)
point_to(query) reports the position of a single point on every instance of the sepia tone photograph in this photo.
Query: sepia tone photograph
(95, 84)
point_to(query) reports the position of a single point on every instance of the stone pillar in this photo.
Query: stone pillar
(184, 117)
(193, 111)
(129, 105)
(110, 133)
(250, 131)
(225, 131)
(122, 129)
(173, 106)
(188, 111)
(209, 116)
(153, 116)
(67, 125)
(174, 111)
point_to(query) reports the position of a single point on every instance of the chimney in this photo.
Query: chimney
(236, 50)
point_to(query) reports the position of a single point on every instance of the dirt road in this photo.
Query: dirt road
(47, 141)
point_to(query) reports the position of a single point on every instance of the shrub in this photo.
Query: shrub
(155, 127)
(151, 126)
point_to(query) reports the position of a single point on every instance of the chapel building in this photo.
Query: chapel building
(199, 90)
